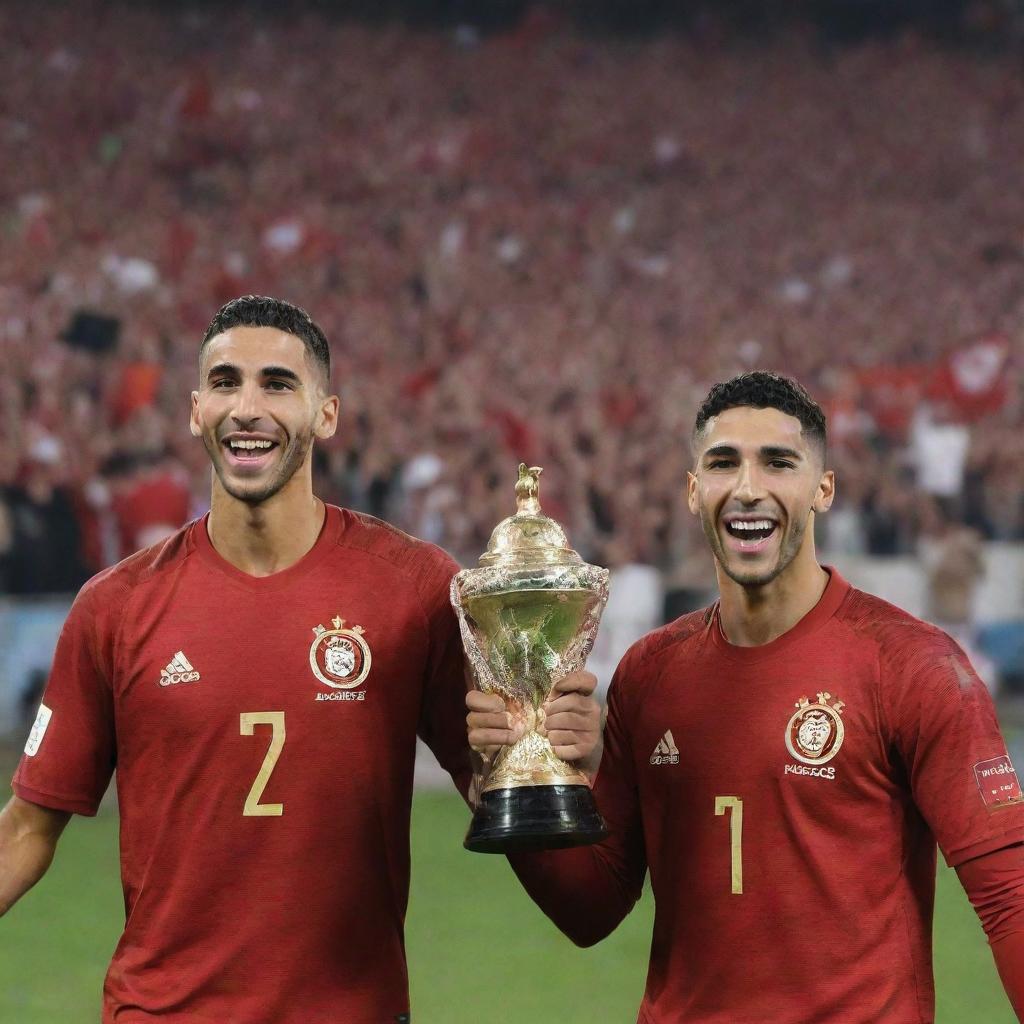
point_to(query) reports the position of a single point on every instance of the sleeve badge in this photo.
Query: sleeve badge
(997, 781)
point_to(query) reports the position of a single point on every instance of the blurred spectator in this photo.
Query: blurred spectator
(955, 567)
(635, 606)
(534, 244)
(44, 556)
(938, 449)
(150, 501)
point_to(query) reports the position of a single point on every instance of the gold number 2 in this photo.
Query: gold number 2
(734, 804)
(275, 719)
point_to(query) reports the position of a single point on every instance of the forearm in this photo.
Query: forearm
(28, 838)
(994, 884)
(1009, 956)
(583, 891)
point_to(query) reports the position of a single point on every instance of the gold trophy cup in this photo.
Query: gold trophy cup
(529, 615)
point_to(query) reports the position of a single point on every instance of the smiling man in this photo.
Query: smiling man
(783, 764)
(259, 681)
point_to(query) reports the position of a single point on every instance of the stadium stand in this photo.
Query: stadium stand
(534, 243)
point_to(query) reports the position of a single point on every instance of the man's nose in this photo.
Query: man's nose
(748, 484)
(248, 407)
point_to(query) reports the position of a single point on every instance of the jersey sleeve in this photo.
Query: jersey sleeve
(945, 731)
(70, 754)
(994, 883)
(587, 891)
(443, 713)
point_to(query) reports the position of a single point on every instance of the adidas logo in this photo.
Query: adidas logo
(665, 752)
(179, 670)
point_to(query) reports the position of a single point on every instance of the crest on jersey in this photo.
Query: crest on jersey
(340, 657)
(815, 733)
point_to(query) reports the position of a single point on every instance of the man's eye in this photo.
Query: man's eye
(781, 464)
(719, 464)
(278, 385)
(223, 383)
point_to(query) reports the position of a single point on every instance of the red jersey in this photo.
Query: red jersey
(264, 732)
(787, 799)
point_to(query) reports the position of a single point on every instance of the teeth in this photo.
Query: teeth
(250, 445)
(757, 524)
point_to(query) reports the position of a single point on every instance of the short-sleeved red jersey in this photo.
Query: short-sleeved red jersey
(264, 732)
(787, 800)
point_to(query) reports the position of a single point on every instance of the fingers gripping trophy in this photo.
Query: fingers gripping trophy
(529, 615)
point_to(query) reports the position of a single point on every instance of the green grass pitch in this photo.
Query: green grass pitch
(55, 944)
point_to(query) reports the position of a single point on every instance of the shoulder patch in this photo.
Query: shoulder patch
(997, 781)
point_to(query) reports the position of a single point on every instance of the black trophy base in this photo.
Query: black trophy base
(535, 818)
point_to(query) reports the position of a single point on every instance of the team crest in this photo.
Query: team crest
(339, 657)
(815, 733)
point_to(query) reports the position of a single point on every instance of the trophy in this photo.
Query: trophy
(529, 615)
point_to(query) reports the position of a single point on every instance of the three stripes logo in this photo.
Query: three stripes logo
(179, 670)
(666, 751)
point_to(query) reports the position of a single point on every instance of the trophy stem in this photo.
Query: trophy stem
(530, 761)
(535, 818)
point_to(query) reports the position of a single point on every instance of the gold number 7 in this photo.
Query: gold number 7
(734, 804)
(275, 719)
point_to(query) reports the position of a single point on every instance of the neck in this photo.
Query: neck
(752, 616)
(265, 538)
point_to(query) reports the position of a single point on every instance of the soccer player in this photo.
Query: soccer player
(783, 764)
(259, 681)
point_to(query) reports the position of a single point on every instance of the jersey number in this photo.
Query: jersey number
(275, 719)
(734, 804)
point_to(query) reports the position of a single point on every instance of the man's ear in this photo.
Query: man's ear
(691, 493)
(826, 492)
(327, 422)
(193, 417)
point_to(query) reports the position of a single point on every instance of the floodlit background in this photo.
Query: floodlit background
(532, 232)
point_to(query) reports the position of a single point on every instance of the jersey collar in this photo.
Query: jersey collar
(326, 540)
(828, 604)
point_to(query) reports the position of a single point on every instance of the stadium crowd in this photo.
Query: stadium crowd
(533, 245)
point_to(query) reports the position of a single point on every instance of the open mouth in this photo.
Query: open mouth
(248, 452)
(751, 535)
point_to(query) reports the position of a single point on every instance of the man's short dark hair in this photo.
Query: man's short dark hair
(263, 311)
(762, 389)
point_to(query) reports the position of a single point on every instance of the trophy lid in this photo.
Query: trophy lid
(529, 538)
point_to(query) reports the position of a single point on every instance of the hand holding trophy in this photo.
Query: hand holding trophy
(529, 615)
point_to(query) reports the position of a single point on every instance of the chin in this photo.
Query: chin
(254, 494)
(254, 498)
(753, 581)
(751, 577)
